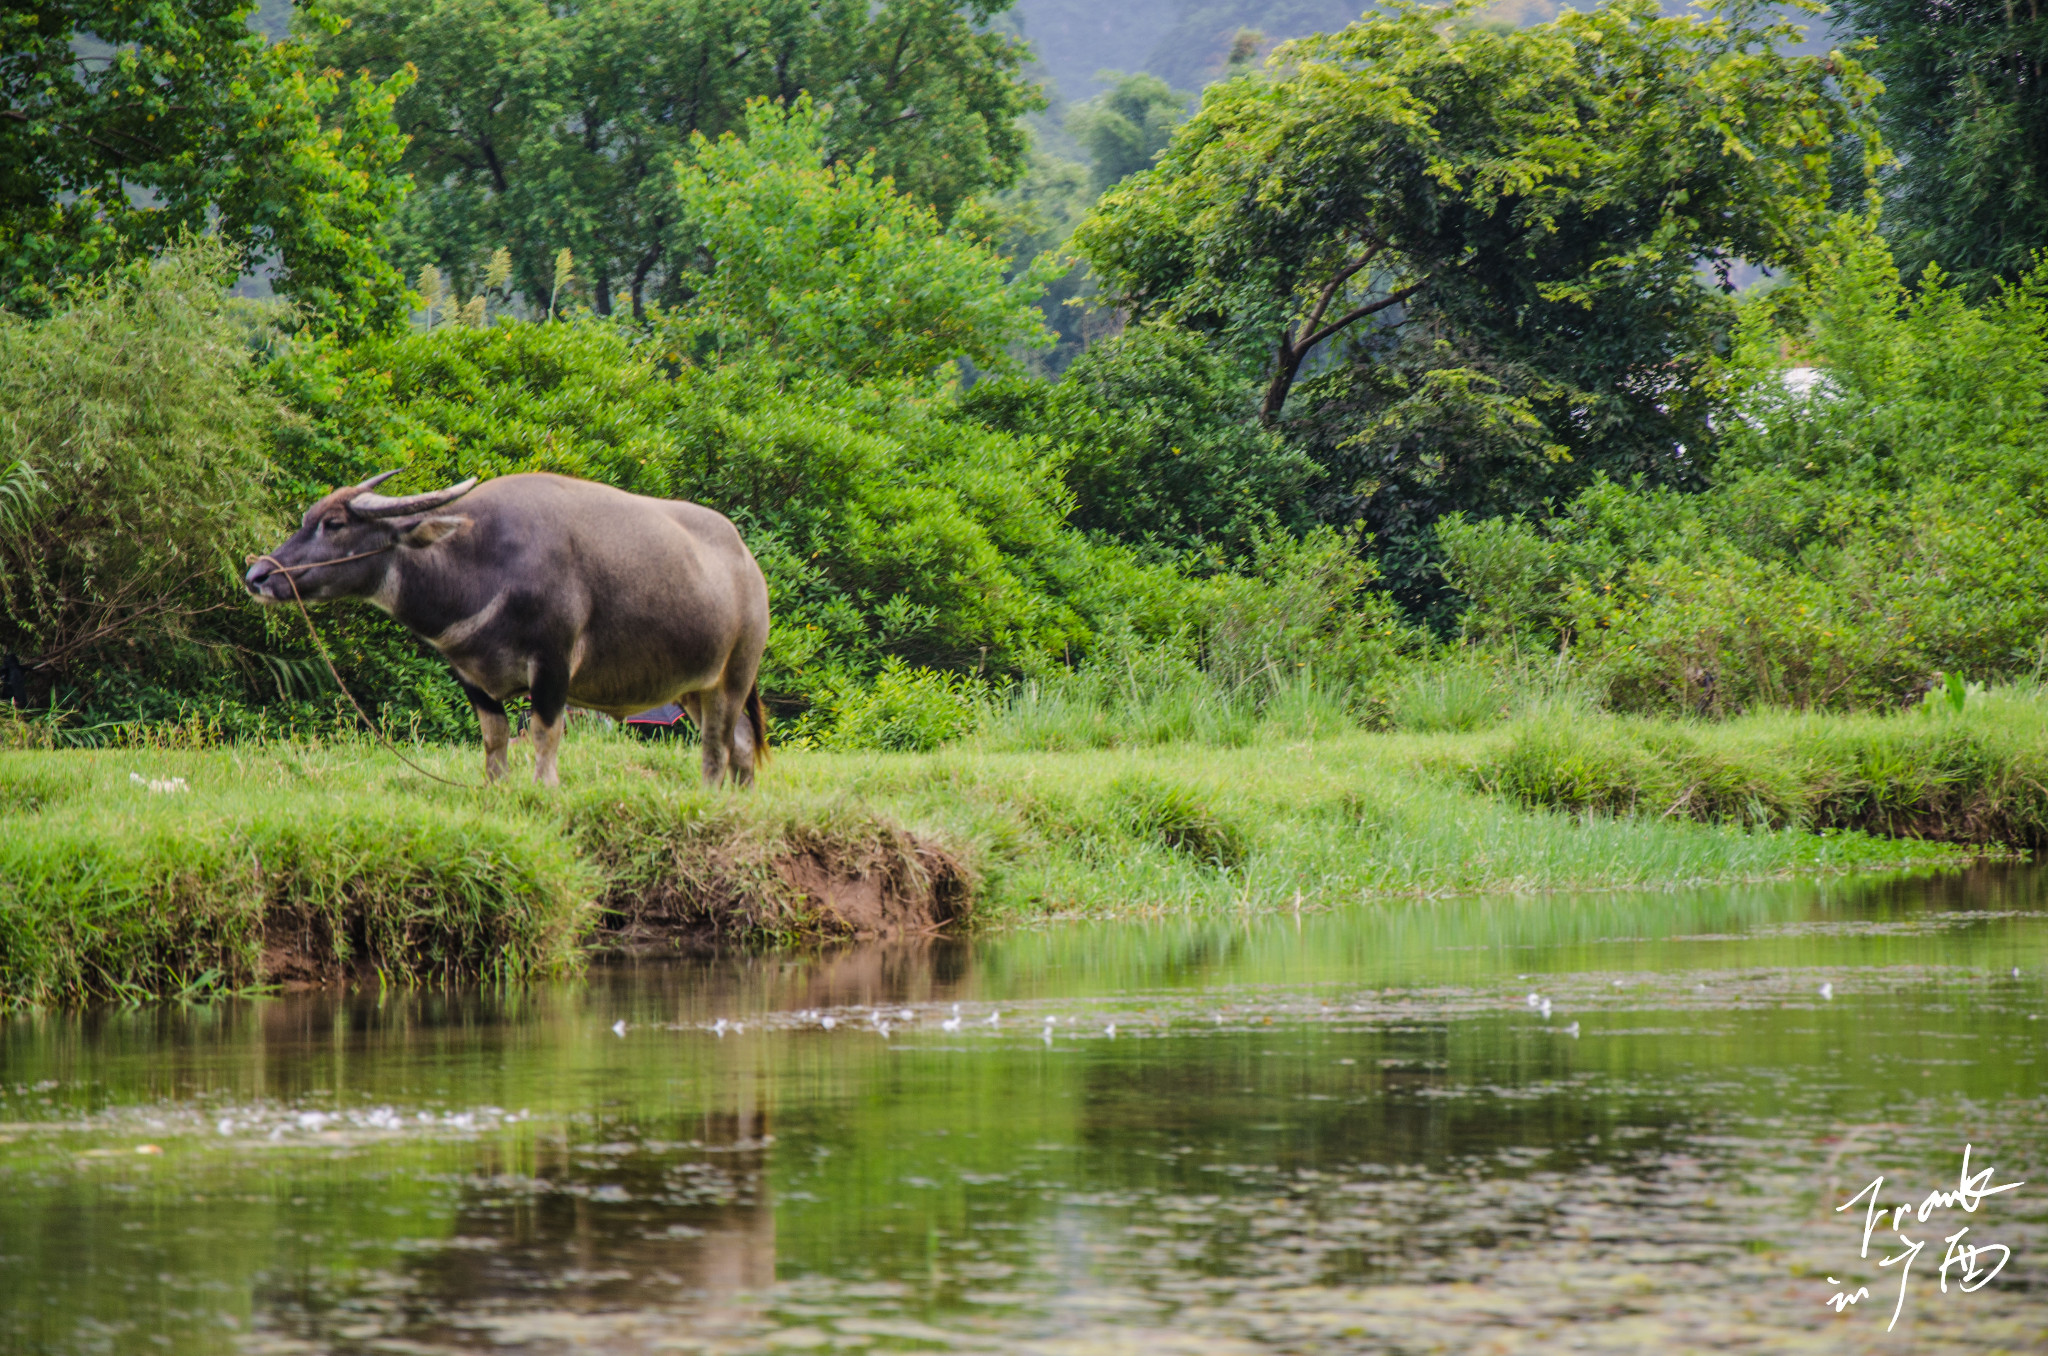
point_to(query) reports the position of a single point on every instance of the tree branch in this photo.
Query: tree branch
(1343, 276)
(1361, 312)
(1291, 351)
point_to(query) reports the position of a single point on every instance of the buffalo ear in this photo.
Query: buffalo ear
(427, 531)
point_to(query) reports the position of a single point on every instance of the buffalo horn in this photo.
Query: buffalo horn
(379, 506)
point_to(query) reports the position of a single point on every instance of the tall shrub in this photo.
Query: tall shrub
(132, 436)
(825, 263)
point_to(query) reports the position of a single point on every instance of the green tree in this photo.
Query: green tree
(539, 127)
(1161, 448)
(1378, 168)
(1483, 247)
(129, 126)
(829, 265)
(1127, 126)
(1965, 107)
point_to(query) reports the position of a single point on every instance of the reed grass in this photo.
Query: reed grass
(1979, 775)
(278, 852)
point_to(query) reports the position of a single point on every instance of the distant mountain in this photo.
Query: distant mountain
(1184, 42)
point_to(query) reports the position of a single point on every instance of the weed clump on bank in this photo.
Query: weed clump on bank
(709, 866)
(112, 896)
(1921, 774)
(1181, 820)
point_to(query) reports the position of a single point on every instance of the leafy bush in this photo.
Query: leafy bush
(903, 710)
(1303, 607)
(1886, 521)
(884, 525)
(133, 473)
(828, 263)
(1304, 641)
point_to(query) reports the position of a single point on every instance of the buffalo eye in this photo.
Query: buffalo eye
(334, 524)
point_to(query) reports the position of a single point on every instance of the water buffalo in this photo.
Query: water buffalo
(561, 589)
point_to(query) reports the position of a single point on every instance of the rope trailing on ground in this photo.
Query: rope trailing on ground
(287, 571)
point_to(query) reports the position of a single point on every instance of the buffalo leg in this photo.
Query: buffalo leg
(744, 737)
(550, 693)
(715, 728)
(490, 715)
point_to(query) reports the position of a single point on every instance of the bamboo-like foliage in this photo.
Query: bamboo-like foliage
(21, 493)
(133, 435)
(565, 274)
(433, 294)
(499, 274)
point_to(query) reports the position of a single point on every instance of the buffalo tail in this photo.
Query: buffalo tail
(760, 722)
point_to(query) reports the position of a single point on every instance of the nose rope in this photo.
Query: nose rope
(335, 673)
(278, 567)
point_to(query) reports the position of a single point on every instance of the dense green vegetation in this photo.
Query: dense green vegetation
(536, 128)
(1859, 536)
(795, 356)
(1411, 390)
(131, 124)
(1965, 109)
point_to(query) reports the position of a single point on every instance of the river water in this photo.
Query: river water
(1609, 1122)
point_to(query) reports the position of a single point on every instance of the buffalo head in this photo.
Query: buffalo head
(342, 545)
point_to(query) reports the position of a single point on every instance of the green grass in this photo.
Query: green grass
(108, 889)
(1177, 829)
(1979, 776)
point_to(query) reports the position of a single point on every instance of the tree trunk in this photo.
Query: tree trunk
(646, 266)
(1287, 361)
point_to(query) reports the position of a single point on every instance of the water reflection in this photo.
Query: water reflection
(1337, 1132)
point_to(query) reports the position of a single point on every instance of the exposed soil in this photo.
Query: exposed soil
(298, 952)
(878, 902)
(873, 886)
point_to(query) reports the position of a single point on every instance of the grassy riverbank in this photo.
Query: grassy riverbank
(1980, 776)
(280, 862)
